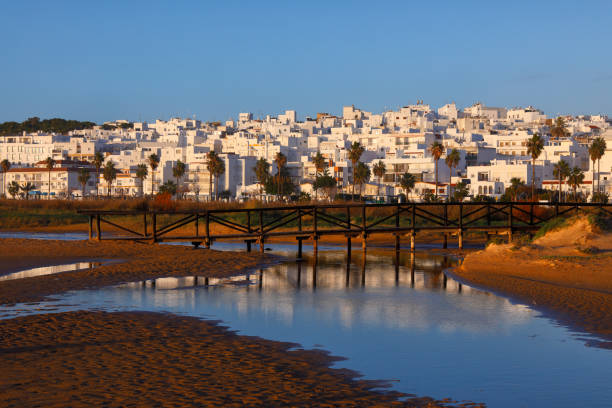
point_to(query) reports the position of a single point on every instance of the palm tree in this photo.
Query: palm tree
(535, 145)
(84, 178)
(280, 160)
(110, 174)
(407, 182)
(49, 164)
(515, 184)
(601, 146)
(6, 166)
(211, 162)
(379, 171)
(576, 177)
(178, 171)
(452, 160)
(153, 161)
(13, 188)
(218, 171)
(142, 171)
(559, 129)
(98, 160)
(262, 172)
(561, 170)
(354, 154)
(320, 165)
(436, 149)
(362, 175)
(26, 188)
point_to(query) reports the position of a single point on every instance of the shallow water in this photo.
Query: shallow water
(49, 270)
(401, 321)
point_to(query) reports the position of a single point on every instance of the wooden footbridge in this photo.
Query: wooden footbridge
(351, 220)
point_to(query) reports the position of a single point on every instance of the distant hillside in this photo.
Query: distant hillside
(34, 124)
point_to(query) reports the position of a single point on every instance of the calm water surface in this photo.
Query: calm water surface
(396, 319)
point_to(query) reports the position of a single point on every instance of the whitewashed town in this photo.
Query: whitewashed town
(415, 153)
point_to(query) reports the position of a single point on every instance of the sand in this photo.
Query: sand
(567, 274)
(84, 359)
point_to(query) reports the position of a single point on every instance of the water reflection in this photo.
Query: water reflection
(49, 270)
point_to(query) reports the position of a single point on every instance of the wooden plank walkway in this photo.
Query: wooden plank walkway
(351, 220)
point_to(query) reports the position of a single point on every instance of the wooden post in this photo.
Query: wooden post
(154, 227)
(556, 209)
(261, 234)
(364, 243)
(299, 254)
(489, 214)
(207, 241)
(413, 220)
(445, 243)
(412, 240)
(248, 242)
(460, 232)
(349, 247)
(90, 227)
(364, 224)
(510, 220)
(315, 245)
(397, 225)
(314, 220)
(412, 267)
(197, 225)
(248, 214)
(98, 229)
(397, 242)
(531, 209)
(348, 218)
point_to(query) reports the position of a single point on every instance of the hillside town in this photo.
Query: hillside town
(414, 153)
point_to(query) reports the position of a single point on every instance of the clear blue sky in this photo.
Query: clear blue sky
(105, 60)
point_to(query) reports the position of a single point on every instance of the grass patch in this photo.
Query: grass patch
(601, 220)
(551, 225)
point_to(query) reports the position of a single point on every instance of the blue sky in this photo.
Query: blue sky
(155, 59)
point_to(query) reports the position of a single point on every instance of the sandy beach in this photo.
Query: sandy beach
(83, 359)
(566, 274)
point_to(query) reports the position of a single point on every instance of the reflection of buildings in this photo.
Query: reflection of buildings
(415, 294)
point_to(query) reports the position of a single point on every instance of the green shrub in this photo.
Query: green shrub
(551, 225)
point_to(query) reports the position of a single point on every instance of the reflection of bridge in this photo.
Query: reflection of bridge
(311, 222)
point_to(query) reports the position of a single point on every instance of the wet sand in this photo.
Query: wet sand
(83, 359)
(555, 275)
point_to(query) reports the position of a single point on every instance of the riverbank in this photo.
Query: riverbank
(567, 274)
(150, 359)
(84, 359)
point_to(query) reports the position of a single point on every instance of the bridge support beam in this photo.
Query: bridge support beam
(364, 242)
(349, 247)
(90, 227)
(315, 245)
(412, 241)
(460, 238)
(445, 242)
(261, 245)
(397, 242)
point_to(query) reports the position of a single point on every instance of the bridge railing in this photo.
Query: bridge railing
(314, 221)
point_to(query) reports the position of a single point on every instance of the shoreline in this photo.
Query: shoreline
(553, 276)
(91, 367)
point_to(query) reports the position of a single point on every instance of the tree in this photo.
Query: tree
(515, 185)
(436, 149)
(452, 161)
(559, 128)
(362, 175)
(26, 188)
(354, 154)
(281, 161)
(461, 192)
(596, 151)
(98, 160)
(6, 166)
(320, 165)
(212, 161)
(407, 182)
(168, 188)
(153, 161)
(142, 171)
(379, 171)
(178, 171)
(218, 170)
(325, 182)
(575, 179)
(109, 174)
(49, 164)
(84, 178)
(262, 172)
(561, 170)
(13, 188)
(535, 145)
